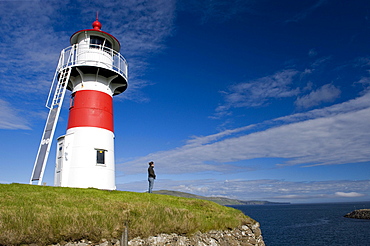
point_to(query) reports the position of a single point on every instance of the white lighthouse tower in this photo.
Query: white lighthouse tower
(94, 71)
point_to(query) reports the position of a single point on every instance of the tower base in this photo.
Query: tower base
(85, 159)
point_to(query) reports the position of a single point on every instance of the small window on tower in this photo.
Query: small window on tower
(72, 101)
(100, 156)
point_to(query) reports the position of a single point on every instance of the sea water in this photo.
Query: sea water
(310, 224)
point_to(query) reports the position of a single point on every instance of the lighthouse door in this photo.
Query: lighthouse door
(59, 162)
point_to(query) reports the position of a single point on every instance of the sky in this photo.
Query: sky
(246, 99)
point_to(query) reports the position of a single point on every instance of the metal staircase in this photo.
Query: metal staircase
(54, 109)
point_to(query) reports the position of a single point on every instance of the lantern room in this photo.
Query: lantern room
(96, 53)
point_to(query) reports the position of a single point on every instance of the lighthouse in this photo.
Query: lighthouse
(94, 71)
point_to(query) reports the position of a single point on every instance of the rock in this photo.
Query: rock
(246, 235)
(359, 214)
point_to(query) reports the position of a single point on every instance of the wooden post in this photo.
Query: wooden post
(124, 238)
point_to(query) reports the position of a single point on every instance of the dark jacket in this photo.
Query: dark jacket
(151, 173)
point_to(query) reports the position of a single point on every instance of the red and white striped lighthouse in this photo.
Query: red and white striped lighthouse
(85, 155)
(94, 71)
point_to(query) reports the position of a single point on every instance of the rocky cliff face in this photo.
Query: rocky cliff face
(246, 235)
(359, 214)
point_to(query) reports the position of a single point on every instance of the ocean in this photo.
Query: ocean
(310, 224)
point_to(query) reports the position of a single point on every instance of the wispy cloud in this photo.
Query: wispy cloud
(352, 105)
(348, 194)
(299, 85)
(219, 10)
(10, 118)
(24, 59)
(326, 93)
(312, 53)
(258, 92)
(264, 189)
(334, 135)
(197, 141)
(305, 12)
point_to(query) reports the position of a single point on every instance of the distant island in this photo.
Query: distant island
(359, 214)
(220, 200)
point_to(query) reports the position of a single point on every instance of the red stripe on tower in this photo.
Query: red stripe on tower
(91, 109)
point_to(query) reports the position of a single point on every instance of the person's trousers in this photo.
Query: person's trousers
(151, 184)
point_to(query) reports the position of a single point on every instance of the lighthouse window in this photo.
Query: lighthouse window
(100, 156)
(99, 43)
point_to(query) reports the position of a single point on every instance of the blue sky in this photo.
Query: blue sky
(254, 100)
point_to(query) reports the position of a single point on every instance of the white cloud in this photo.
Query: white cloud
(349, 194)
(320, 61)
(220, 10)
(304, 13)
(25, 59)
(197, 141)
(338, 134)
(258, 92)
(365, 81)
(356, 104)
(264, 189)
(312, 53)
(283, 84)
(10, 119)
(326, 93)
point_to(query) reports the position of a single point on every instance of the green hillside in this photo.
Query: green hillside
(48, 215)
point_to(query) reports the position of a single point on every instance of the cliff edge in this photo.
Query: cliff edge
(246, 235)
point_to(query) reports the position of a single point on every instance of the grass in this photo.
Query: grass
(48, 215)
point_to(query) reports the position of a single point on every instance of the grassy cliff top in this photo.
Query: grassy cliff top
(46, 215)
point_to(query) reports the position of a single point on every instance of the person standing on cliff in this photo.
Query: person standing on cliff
(151, 176)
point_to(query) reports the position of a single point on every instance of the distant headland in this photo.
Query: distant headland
(220, 200)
